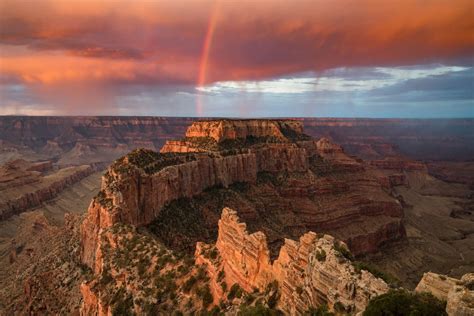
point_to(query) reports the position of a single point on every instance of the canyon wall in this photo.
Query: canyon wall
(221, 130)
(448, 139)
(45, 188)
(135, 197)
(308, 272)
(137, 187)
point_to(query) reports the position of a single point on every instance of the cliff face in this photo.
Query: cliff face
(459, 294)
(25, 185)
(137, 187)
(309, 272)
(366, 138)
(221, 130)
(286, 185)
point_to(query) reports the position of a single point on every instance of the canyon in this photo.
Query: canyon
(285, 185)
(137, 187)
(235, 208)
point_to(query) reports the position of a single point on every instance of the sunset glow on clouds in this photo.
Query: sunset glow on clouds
(230, 58)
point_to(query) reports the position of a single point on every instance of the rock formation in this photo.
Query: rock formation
(24, 185)
(276, 166)
(308, 272)
(366, 138)
(458, 294)
(136, 187)
(221, 130)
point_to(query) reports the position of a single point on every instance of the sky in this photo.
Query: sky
(259, 58)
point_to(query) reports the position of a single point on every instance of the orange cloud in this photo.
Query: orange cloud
(60, 41)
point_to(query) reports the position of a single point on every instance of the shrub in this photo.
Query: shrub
(248, 299)
(205, 294)
(235, 291)
(272, 291)
(187, 286)
(258, 310)
(202, 274)
(220, 275)
(402, 302)
(343, 251)
(213, 253)
(322, 310)
(106, 278)
(388, 278)
(224, 286)
(339, 307)
(321, 255)
(124, 307)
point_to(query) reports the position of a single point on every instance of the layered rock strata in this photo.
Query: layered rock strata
(27, 188)
(137, 187)
(458, 294)
(309, 272)
(221, 130)
(136, 198)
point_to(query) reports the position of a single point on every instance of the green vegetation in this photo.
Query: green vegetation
(388, 278)
(235, 291)
(187, 286)
(321, 255)
(180, 225)
(103, 200)
(105, 278)
(258, 310)
(402, 302)
(220, 275)
(205, 294)
(206, 143)
(319, 166)
(322, 310)
(277, 179)
(123, 307)
(184, 222)
(150, 161)
(339, 307)
(271, 291)
(342, 250)
(240, 186)
(293, 135)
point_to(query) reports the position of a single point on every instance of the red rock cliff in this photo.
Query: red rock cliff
(233, 129)
(309, 272)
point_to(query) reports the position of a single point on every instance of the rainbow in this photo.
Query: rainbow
(203, 64)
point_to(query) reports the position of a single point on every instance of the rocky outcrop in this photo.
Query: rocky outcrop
(45, 187)
(309, 272)
(281, 157)
(437, 284)
(233, 129)
(137, 187)
(246, 258)
(136, 198)
(458, 294)
(180, 146)
(399, 164)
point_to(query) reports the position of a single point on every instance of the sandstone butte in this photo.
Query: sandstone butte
(356, 208)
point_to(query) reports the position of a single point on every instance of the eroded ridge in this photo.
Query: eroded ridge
(308, 272)
(316, 185)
